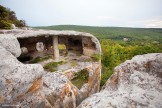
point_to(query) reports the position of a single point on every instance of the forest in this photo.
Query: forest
(119, 43)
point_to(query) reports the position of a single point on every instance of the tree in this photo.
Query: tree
(8, 17)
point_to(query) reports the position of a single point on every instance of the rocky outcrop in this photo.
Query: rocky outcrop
(10, 43)
(16, 78)
(61, 93)
(136, 83)
(29, 86)
(21, 34)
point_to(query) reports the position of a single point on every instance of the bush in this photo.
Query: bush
(8, 17)
(5, 24)
(96, 57)
(80, 78)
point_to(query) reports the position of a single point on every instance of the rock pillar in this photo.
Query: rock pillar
(55, 48)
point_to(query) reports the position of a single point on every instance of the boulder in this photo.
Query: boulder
(59, 91)
(10, 43)
(136, 83)
(125, 39)
(24, 50)
(16, 79)
(13, 26)
(40, 46)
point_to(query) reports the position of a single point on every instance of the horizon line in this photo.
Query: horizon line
(96, 26)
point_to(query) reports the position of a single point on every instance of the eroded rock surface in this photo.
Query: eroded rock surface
(29, 86)
(136, 83)
(60, 92)
(10, 43)
(16, 78)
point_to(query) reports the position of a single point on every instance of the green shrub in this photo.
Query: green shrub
(8, 17)
(106, 73)
(96, 57)
(80, 78)
(5, 24)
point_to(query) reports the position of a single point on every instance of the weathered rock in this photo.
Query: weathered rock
(125, 39)
(30, 86)
(60, 92)
(135, 83)
(10, 43)
(23, 85)
(24, 50)
(19, 33)
(90, 46)
(13, 26)
(16, 78)
(40, 46)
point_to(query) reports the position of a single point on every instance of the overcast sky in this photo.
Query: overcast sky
(123, 13)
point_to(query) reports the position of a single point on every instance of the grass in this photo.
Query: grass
(80, 78)
(52, 66)
(40, 59)
(73, 63)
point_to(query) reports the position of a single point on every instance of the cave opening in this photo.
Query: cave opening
(25, 58)
(34, 47)
(70, 49)
(75, 44)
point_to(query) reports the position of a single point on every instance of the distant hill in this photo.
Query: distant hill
(114, 33)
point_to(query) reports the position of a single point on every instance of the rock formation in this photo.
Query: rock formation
(11, 44)
(30, 86)
(136, 83)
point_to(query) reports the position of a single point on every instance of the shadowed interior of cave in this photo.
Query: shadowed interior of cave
(71, 44)
(35, 49)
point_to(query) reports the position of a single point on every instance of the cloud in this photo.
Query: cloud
(104, 18)
(154, 24)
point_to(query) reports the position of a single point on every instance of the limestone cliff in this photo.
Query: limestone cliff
(136, 83)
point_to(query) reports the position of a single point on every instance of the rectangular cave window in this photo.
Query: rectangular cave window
(29, 48)
(75, 44)
(62, 49)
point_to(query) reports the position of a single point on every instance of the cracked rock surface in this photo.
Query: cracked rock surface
(10, 43)
(136, 83)
(29, 86)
